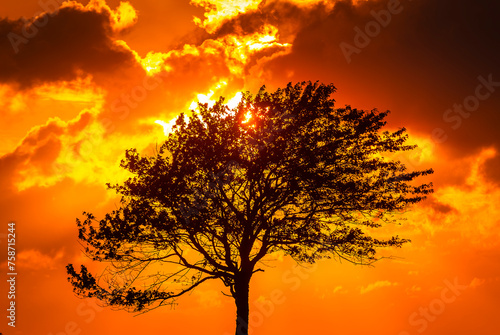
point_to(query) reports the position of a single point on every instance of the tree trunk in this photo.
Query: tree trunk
(242, 289)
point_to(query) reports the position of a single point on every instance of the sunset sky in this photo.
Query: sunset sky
(81, 82)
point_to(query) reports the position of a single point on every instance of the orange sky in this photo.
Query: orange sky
(86, 81)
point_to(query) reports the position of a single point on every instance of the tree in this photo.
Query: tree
(284, 171)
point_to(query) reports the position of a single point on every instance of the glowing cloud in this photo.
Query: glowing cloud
(218, 11)
(240, 48)
(207, 98)
(11, 101)
(376, 285)
(123, 17)
(79, 90)
(167, 126)
(34, 259)
(152, 63)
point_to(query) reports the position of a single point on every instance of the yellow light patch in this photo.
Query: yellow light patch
(234, 101)
(152, 63)
(218, 11)
(124, 16)
(248, 116)
(167, 126)
(76, 91)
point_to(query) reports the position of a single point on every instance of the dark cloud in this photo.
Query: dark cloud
(492, 167)
(421, 61)
(424, 60)
(59, 46)
(37, 150)
(417, 58)
(287, 16)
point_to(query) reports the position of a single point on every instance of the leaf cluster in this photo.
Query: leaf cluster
(224, 191)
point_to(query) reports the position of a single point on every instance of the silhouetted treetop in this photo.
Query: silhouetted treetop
(284, 171)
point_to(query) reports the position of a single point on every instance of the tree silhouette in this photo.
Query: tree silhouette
(284, 171)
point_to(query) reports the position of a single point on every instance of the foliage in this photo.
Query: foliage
(224, 191)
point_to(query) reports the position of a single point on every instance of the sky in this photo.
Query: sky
(81, 82)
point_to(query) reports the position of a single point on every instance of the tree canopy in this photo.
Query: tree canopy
(284, 171)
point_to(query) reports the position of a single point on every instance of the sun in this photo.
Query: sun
(248, 116)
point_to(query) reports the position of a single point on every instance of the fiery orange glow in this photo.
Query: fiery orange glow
(218, 11)
(240, 49)
(248, 116)
(234, 101)
(83, 81)
(213, 95)
(12, 101)
(123, 17)
(154, 63)
(80, 90)
(167, 126)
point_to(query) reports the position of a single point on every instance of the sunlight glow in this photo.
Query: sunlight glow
(167, 126)
(76, 91)
(154, 62)
(11, 101)
(234, 101)
(239, 49)
(122, 17)
(86, 156)
(207, 98)
(248, 116)
(218, 11)
(473, 202)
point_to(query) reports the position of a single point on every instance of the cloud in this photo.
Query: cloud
(72, 42)
(465, 213)
(427, 59)
(11, 101)
(124, 17)
(339, 289)
(36, 151)
(106, 100)
(33, 259)
(32, 162)
(208, 298)
(402, 63)
(414, 289)
(377, 285)
(476, 282)
(246, 17)
(218, 11)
